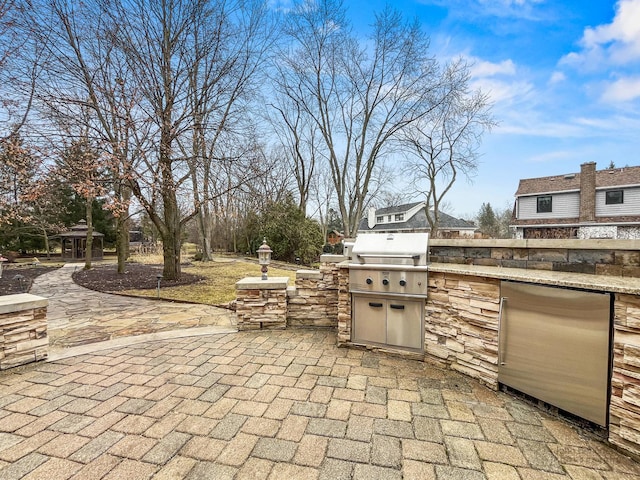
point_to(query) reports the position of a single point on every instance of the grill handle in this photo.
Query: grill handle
(397, 307)
(362, 256)
(375, 304)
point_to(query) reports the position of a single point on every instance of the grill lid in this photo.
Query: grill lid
(391, 248)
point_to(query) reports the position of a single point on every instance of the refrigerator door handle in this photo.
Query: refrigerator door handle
(501, 334)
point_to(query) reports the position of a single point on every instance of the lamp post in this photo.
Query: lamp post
(264, 257)
(2, 260)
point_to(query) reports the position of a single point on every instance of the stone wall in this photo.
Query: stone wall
(23, 330)
(461, 327)
(596, 257)
(624, 428)
(344, 307)
(261, 303)
(313, 302)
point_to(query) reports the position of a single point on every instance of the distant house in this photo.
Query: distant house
(589, 204)
(334, 237)
(412, 217)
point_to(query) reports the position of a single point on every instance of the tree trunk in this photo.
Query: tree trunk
(122, 229)
(122, 242)
(88, 253)
(171, 253)
(46, 243)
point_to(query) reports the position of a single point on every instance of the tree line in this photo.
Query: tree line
(228, 114)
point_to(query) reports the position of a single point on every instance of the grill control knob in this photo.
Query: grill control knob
(385, 281)
(403, 282)
(369, 281)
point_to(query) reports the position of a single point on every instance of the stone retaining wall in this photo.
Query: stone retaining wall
(23, 330)
(596, 257)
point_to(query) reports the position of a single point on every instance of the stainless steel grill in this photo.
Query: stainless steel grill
(388, 285)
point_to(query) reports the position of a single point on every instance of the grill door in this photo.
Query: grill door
(554, 346)
(404, 323)
(369, 316)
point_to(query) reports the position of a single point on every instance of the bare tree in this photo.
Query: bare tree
(300, 140)
(81, 167)
(86, 85)
(228, 51)
(359, 95)
(20, 64)
(444, 144)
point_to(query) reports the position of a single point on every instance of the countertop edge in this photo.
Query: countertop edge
(628, 285)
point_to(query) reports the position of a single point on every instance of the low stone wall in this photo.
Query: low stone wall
(596, 257)
(23, 330)
(313, 301)
(261, 303)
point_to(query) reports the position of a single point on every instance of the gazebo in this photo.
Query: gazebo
(74, 243)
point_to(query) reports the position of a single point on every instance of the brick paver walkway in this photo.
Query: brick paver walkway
(277, 405)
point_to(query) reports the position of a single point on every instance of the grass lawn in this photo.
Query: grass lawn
(218, 288)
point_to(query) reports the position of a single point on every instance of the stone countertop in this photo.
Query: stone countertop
(21, 301)
(256, 283)
(603, 283)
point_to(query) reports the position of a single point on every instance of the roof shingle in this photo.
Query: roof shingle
(614, 177)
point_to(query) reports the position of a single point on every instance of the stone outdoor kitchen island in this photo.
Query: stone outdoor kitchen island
(462, 311)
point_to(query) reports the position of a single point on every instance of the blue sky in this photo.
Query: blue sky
(564, 78)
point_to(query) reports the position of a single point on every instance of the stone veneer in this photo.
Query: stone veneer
(23, 329)
(624, 410)
(313, 301)
(261, 303)
(596, 257)
(461, 327)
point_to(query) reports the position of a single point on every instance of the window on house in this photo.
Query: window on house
(389, 219)
(380, 219)
(544, 204)
(614, 197)
(399, 217)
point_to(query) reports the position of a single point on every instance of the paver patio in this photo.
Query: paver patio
(283, 404)
(278, 405)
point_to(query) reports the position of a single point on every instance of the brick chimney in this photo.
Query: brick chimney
(588, 192)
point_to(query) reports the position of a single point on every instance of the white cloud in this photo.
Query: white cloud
(482, 68)
(557, 77)
(504, 92)
(615, 43)
(622, 90)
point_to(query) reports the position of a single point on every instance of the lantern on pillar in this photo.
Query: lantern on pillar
(264, 257)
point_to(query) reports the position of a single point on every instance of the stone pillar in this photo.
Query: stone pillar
(23, 329)
(261, 303)
(588, 192)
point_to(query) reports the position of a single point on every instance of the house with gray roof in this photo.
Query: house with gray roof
(589, 204)
(412, 217)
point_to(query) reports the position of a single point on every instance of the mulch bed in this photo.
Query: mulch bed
(137, 276)
(10, 283)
